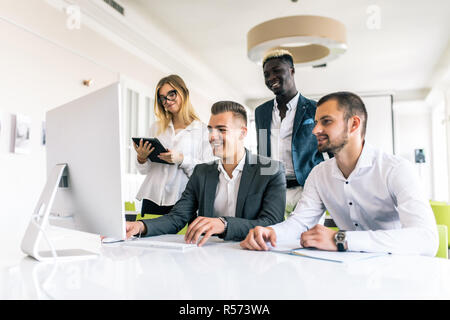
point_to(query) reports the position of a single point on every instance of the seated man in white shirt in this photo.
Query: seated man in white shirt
(232, 195)
(374, 198)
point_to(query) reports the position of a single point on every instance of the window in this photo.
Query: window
(251, 141)
(137, 117)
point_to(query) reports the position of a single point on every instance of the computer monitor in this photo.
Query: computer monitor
(85, 169)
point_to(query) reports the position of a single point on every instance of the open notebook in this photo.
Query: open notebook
(333, 256)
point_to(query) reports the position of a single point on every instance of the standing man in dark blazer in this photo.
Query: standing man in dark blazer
(232, 195)
(284, 125)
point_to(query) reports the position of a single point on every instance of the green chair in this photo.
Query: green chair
(130, 206)
(329, 222)
(130, 211)
(288, 210)
(153, 216)
(443, 242)
(442, 215)
(437, 203)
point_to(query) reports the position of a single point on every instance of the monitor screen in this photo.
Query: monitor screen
(85, 134)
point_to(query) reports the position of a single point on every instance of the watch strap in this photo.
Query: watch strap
(225, 223)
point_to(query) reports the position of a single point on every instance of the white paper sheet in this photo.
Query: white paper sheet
(333, 256)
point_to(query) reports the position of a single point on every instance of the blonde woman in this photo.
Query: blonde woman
(179, 129)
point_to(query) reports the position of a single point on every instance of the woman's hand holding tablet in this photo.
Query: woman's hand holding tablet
(144, 149)
(151, 148)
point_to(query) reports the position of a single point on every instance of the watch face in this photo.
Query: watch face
(340, 236)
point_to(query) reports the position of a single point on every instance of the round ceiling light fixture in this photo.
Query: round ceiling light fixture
(312, 40)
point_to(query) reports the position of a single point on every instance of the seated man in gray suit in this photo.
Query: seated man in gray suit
(232, 195)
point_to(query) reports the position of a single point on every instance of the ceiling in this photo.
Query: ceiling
(400, 57)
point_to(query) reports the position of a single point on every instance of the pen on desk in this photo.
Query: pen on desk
(297, 253)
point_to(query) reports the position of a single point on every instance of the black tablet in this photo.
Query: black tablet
(159, 148)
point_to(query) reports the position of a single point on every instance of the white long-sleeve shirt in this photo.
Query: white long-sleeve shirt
(281, 135)
(165, 183)
(380, 205)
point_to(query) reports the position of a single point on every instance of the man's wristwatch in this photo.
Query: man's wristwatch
(341, 240)
(225, 223)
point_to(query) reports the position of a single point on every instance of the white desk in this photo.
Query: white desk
(221, 270)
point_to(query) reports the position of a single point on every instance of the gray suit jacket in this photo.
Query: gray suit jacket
(261, 199)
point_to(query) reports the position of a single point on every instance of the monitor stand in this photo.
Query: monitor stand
(36, 231)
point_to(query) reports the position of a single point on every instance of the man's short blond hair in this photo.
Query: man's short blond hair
(279, 54)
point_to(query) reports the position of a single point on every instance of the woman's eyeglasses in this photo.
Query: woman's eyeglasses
(171, 96)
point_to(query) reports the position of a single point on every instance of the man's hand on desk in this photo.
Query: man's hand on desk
(135, 228)
(132, 228)
(257, 238)
(203, 225)
(319, 237)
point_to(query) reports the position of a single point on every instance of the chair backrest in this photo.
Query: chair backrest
(443, 242)
(130, 206)
(153, 216)
(148, 216)
(442, 215)
(438, 203)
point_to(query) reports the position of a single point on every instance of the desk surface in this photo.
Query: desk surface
(221, 270)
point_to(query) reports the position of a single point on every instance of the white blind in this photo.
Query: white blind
(137, 119)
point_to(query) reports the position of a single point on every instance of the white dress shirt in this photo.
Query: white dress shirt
(281, 135)
(165, 183)
(380, 205)
(227, 190)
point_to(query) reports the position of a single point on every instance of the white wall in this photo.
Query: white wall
(440, 166)
(379, 131)
(36, 76)
(439, 121)
(412, 124)
(43, 64)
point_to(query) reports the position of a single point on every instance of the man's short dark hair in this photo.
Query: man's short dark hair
(230, 106)
(280, 54)
(352, 105)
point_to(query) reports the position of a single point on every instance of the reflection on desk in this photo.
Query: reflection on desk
(224, 271)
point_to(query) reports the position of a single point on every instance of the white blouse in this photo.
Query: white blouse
(165, 183)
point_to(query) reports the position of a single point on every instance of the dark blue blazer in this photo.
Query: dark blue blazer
(304, 144)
